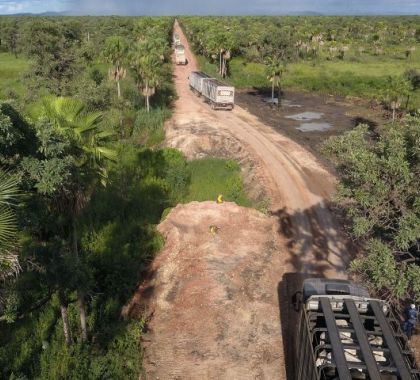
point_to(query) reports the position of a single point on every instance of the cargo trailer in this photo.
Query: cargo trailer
(343, 334)
(219, 94)
(196, 80)
(216, 93)
(180, 57)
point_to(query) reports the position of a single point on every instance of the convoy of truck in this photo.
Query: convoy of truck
(343, 334)
(218, 94)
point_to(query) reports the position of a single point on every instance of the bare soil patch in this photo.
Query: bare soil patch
(215, 311)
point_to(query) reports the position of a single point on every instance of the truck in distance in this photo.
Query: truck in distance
(343, 334)
(180, 58)
(218, 94)
(177, 39)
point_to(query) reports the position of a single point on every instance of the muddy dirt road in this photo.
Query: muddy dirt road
(205, 323)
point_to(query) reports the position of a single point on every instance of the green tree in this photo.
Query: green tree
(275, 69)
(379, 191)
(115, 53)
(147, 68)
(11, 36)
(397, 90)
(53, 48)
(69, 171)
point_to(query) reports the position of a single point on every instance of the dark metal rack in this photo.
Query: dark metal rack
(367, 343)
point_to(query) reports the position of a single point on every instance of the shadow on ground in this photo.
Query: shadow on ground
(308, 235)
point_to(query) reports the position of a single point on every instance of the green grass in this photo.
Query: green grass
(11, 71)
(211, 177)
(364, 77)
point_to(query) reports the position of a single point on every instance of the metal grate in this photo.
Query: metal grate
(351, 338)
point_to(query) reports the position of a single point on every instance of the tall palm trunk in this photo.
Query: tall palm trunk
(147, 96)
(118, 89)
(82, 309)
(80, 293)
(65, 318)
(272, 90)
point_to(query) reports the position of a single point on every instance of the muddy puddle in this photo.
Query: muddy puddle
(306, 116)
(314, 127)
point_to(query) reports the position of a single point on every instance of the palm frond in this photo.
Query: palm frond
(7, 226)
(9, 265)
(8, 189)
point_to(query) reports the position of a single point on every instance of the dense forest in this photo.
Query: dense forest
(83, 183)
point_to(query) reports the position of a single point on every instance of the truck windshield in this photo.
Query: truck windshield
(225, 93)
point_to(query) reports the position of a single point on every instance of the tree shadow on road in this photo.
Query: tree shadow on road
(317, 247)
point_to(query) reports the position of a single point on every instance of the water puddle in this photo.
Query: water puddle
(314, 127)
(306, 116)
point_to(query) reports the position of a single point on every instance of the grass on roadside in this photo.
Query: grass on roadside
(361, 77)
(211, 177)
(11, 71)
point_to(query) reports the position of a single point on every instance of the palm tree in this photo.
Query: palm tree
(87, 138)
(9, 263)
(397, 90)
(146, 66)
(116, 53)
(275, 69)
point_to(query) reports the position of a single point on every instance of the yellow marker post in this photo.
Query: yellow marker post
(220, 199)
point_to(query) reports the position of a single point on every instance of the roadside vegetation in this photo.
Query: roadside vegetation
(350, 56)
(379, 191)
(83, 183)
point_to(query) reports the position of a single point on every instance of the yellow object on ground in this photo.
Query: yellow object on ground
(220, 199)
(214, 229)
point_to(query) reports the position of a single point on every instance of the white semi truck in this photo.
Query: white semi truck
(180, 58)
(218, 94)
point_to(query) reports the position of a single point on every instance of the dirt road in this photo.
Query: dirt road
(215, 300)
(296, 183)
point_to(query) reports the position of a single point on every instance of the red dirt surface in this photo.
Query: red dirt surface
(215, 301)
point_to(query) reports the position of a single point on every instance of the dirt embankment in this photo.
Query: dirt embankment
(214, 296)
(218, 291)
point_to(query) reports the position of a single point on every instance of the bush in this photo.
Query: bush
(413, 76)
(149, 126)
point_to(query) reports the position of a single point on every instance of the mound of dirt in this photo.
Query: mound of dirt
(212, 296)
